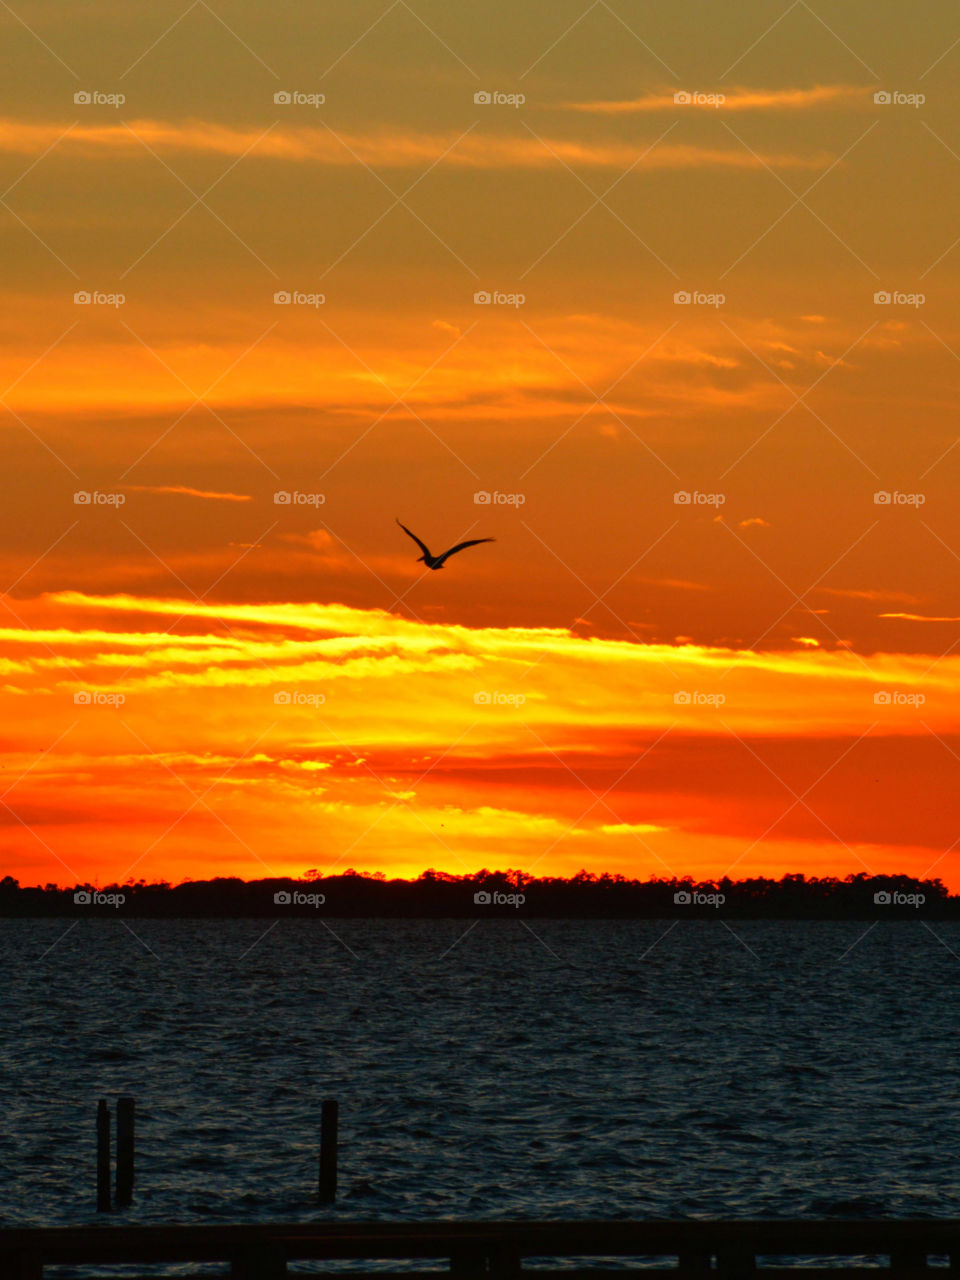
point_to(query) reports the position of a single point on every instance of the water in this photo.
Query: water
(567, 1069)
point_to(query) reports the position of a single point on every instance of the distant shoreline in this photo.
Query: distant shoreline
(501, 895)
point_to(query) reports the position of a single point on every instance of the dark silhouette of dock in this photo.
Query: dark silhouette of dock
(728, 1250)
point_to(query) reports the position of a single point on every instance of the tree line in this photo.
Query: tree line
(485, 893)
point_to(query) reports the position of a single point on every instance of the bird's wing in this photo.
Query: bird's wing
(473, 542)
(422, 545)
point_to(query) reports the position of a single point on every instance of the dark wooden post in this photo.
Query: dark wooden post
(468, 1262)
(259, 1262)
(103, 1157)
(125, 1150)
(908, 1259)
(328, 1150)
(736, 1264)
(694, 1263)
(505, 1261)
(21, 1266)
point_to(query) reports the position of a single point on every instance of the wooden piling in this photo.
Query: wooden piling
(259, 1264)
(466, 1263)
(103, 1157)
(125, 1150)
(693, 1263)
(908, 1259)
(736, 1263)
(329, 1117)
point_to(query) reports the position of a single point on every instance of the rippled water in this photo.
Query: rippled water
(570, 1069)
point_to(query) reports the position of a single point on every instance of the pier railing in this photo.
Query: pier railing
(779, 1250)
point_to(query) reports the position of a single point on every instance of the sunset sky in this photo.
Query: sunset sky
(709, 415)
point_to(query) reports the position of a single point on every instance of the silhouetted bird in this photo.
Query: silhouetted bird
(436, 562)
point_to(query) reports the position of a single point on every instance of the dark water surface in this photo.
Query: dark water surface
(566, 1069)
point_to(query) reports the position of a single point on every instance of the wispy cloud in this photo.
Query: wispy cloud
(868, 593)
(417, 744)
(733, 100)
(920, 617)
(186, 491)
(393, 150)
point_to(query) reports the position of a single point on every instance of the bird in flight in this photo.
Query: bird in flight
(436, 562)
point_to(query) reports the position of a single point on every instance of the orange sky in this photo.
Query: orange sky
(690, 227)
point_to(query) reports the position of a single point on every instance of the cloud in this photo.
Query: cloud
(919, 617)
(323, 727)
(188, 492)
(677, 584)
(629, 828)
(867, 593)
(317, 145)
(608, 682)
(317, 539)
(503, 371)
(733, 100)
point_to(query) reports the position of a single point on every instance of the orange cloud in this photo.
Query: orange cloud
(865, 593)
(188, 492)
(733, 100)
(920, 617)
(292, 735)
(678, 584)
(319, 145)
(502, 369)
